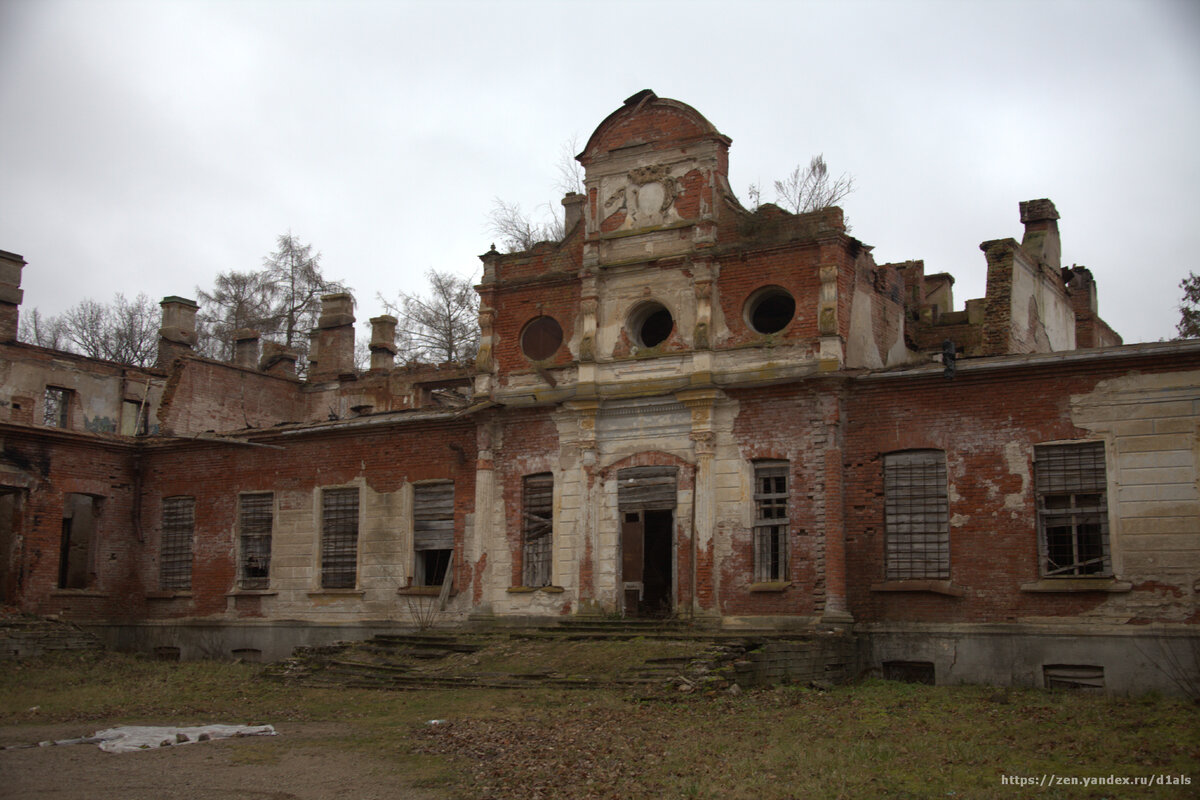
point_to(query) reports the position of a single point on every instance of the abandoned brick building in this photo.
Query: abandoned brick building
(684, 407)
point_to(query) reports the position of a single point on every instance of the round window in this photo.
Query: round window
(770, 310)
(650, 324)
(541, 338)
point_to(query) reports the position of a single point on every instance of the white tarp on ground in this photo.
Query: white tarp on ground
(139, 737)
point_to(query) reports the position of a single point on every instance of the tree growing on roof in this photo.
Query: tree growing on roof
(1189, 307)
(441, 326)
(812, 189)
(518, 231)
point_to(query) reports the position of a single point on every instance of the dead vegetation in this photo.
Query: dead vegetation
(872, 739)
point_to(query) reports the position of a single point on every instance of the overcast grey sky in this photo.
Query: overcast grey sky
(147, 146)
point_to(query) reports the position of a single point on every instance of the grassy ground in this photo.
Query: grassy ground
(875, 739)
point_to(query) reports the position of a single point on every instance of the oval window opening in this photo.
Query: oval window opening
(771, 310)
(651, 324)
(541, 338)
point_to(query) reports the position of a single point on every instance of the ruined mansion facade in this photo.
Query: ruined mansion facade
(684, 409)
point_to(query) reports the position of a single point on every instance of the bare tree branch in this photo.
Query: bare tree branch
(812, 189)
(442, 326)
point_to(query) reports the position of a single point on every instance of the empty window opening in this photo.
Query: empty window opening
(10, 509)
(650, 324)
(537, 514)
(770, 521)
(57, 410)
(433, 532)
(646, 499)
(1072, 509)
(76, 568)
(916, 515)
(910, 672)
(339, 538)
(770, 310)
(255, 522)
(1081, 677)
(133, 418)
(541, 338)
(175, 556)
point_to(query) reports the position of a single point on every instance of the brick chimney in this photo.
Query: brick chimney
(1041, 240)
(572, 211)
(383, 343)
(335, 337)
(245, 348)
(177, 336)
(277, 359)
(11, 265)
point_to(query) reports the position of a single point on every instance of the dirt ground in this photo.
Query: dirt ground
(295, 765)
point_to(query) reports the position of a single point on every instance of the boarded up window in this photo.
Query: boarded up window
(1072, 509)
(433, 531)
(255, 521)
(56, 411)
(916, 515)
(339, 538)
(646, 488)
(770, 521)
(175, 556)
(537, 513)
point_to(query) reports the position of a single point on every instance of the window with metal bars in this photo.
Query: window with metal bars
(537, 514)
(175, 554)
(770, 521)
(916, 516)
(56, 411)
(1072, 509)
(433, 532)
(256, 518)
(339, 538)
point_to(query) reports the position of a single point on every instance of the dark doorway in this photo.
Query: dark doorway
(647, 562)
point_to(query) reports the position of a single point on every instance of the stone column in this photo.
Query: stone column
(335, 338)
(245, 348)
(705, 583)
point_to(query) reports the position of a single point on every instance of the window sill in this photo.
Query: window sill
(770, 586)
(338, 592)
(419, 591)
(935, 587)
(251, 593)
(1111, 585)
(78, 593)
(532, 589)
(168, 594)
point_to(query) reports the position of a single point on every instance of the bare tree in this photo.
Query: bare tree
(42, 330)
(125, 331)
(518, 231)
(440, 326)
(282, 301)
(812, 189)
(1189, 308)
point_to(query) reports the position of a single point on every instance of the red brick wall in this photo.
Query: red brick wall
(517, 305)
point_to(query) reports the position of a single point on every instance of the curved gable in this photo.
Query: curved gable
(646, 118)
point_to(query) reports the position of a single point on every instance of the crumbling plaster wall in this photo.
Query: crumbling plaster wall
(1150, 424)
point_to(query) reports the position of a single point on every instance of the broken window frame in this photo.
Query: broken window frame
(256, 521)
(175, 551)
(433, 532)
(916, 516)
(56, 407)
(537, 529)
(339, 538)
(1071, 487)
(771, 522)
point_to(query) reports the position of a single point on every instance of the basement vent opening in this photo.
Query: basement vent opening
(1081, 677)
(166, 653)
(910, 672)
(251, 655)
